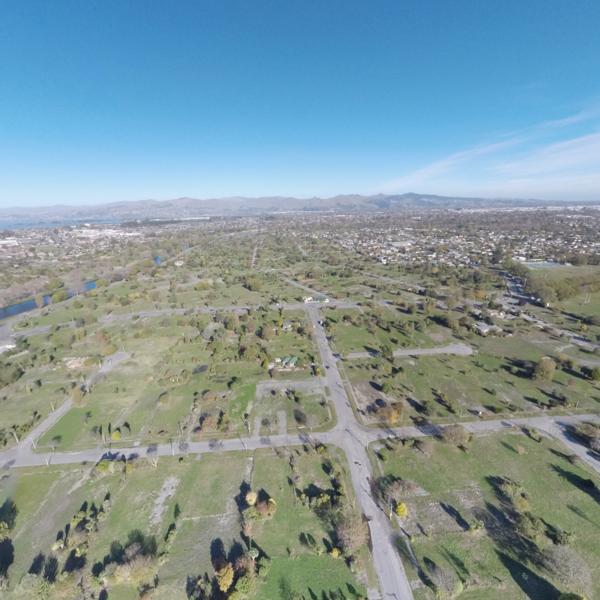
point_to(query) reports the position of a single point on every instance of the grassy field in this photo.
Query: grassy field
(206, 492)
(495, 380)
(584, 304)
(369, 330)
(456, 489)
(184, 377)
(556, 272)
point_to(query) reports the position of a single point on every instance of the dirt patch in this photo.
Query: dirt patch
(434, 519)
(470, 497)
(368, 399)
(166, 492)
(77, 362)
(306, 386)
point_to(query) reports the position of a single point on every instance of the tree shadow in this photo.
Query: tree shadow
(459, 566)
(37, 564)
(519, 368)
(532, 585)
(51, 569)
(561, 454)
(8, 513)
(240, 499)
(236, 551)
(218, 556)
(453, 512)
(74, 562)
(582, 515)
(508, 446)
(585, 485)
(500, 528)
(7, 556)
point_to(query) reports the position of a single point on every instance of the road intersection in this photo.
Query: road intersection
(348, 434)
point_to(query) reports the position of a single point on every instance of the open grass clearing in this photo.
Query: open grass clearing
(456, 488)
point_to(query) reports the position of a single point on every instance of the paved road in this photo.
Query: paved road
(459, 349)
(23, 455)
(301, 385)
(347, 434)
(253, 259)
(556, 426)
(28, 442)
(108, 364)
(352, 437)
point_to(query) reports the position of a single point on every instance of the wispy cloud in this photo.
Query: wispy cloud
(551, 159)
(575, 154)
(587, 114)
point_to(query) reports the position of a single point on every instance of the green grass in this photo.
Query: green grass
(362, 335)
(483, 381)
(205, 490)
(462, 480)
(587, 305)
(557, 272)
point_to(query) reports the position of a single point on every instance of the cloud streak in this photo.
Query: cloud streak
(553, 159)
(575, 154)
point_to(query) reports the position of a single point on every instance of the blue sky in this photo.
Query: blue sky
(121, 100)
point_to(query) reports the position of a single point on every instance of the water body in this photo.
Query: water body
(12, 310)
(42, 224)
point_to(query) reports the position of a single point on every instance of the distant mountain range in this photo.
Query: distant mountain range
(185, 208)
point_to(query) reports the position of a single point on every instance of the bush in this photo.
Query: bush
(545, 369)
(457, 435)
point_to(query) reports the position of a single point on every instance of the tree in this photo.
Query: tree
(498, 255)
(352, 532)
(387, 352)
(60, 296)
(225, 577)
(545, 369)
(456, 434)
(40, 300)
(390, 414)
(402, 510)
(8, 517)
(444, 581)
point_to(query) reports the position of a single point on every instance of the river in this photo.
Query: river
(12, 310)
